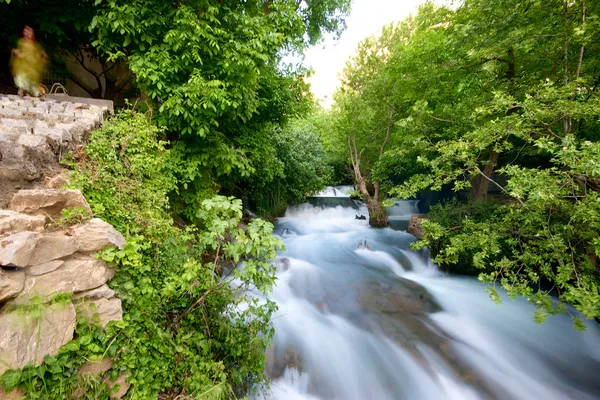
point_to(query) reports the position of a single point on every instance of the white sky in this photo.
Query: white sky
(366, 18)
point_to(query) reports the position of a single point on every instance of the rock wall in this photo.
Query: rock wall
(35, 134)
(49, 272)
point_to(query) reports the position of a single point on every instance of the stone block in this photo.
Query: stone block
(16, 249)
(77, 274)
(43, 268)
(15, 394)
(102, 292)
(123, 385)
(48, 202)
(52, 246)
(33, 141)
(105, 310)
(26, 337)
(95, 234)
(11, 283)
(97, 367)
(55, 182)
(12, 112)
(13, 222)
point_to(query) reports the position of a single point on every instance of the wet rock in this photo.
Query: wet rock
(11, 283)
(282, 264)
(13, 222)
(281, 359)
(75, 275)
(47, 202)
(28, 337)
(52, 246)
(96, 234)
(401, 296)
(16, 249)
(414, 225)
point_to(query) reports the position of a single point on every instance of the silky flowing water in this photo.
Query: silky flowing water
(361, 316)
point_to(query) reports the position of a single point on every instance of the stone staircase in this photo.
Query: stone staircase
(35, 134)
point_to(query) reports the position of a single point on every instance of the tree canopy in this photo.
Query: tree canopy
(499, 94)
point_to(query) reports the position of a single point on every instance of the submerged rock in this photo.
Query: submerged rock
(402, 296)
(364, 245)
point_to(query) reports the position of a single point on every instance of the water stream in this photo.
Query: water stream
(361, 316)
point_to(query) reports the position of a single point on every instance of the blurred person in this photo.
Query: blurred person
(28, 64)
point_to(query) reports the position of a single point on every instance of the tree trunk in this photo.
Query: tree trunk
(481, 183)
(378, 217)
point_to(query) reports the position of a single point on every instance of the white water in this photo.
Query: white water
(335, 191)
(348, 327)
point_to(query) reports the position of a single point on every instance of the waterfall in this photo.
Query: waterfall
(362, 316)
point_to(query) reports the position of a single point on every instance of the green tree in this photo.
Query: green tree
(502, 94)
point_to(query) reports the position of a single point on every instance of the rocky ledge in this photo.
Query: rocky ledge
(49, 270)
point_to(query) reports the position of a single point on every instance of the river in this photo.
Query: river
(361, 316)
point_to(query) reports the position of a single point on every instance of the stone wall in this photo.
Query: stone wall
(49, 272)
(35, 134)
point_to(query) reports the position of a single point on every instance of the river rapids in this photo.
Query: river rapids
(361, 316)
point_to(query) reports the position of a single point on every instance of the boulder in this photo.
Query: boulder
(96, 234)
(414, 225)
(16, 249)
(29, 337)
(107, 310)
(13, 222)
(11, 283)
(52, 246)
(77, 274)
(47, 202)
(44, 268)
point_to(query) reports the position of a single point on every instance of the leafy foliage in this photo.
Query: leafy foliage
(493, 94)
(296, 166)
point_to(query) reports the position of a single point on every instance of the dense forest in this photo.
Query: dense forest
(494, 103)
